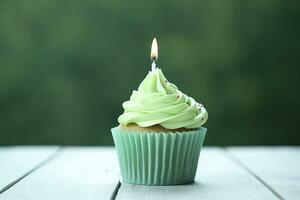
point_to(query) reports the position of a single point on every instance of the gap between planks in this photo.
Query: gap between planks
(81, 178)
(116, 190)
(43, 162)
(117, 187)
(241, 164)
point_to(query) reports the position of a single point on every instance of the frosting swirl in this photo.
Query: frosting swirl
(158, 102)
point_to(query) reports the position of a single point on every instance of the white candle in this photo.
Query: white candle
(153, 66)
(154, 54)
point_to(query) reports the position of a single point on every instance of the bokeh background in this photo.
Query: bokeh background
(66, 66)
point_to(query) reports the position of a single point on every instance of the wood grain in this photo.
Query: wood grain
(77, 173)
(279, 167)
(16, 162)
(93, 173)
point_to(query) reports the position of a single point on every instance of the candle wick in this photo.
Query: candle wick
(153, 66)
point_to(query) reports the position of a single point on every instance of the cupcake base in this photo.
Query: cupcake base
(158, 158)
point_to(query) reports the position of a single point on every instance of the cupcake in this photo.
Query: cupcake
(160, 134)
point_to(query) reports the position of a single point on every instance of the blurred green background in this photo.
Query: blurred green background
(66, 66)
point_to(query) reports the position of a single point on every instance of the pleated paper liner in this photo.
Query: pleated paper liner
(158, 158)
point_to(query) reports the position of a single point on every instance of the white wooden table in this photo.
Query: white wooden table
(50, 172)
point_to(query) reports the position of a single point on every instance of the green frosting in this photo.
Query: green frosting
(158, 102)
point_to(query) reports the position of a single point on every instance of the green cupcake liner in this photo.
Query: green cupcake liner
(158, 158)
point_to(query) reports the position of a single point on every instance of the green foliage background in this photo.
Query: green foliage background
(67, 65)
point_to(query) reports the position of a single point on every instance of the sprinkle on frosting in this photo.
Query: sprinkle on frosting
(158, 102)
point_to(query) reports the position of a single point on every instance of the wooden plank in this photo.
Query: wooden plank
(16, 162)
(279, 167)
(218, 177)
(77, 173)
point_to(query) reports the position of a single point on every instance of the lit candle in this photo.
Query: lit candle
(154, 54)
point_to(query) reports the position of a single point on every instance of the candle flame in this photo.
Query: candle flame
(154, 50)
